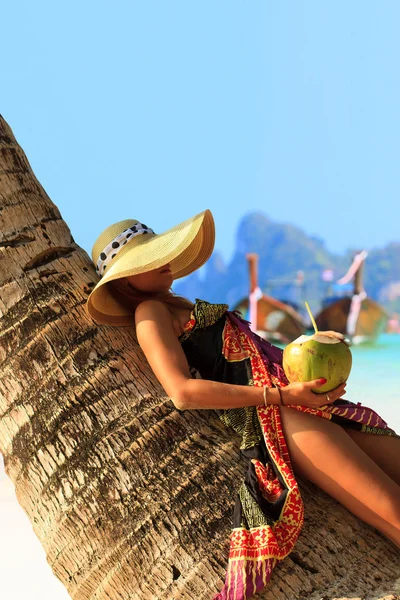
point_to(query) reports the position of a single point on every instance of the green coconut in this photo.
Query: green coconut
(316, 356)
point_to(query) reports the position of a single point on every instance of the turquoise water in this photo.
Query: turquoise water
(375, 378)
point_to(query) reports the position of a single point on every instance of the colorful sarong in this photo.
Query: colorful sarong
(269, 513)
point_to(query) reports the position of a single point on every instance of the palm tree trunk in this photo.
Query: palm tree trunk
(130, 498)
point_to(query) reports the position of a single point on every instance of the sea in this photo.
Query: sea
(375, 377)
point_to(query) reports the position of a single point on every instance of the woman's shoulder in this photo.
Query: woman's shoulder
(151, 308)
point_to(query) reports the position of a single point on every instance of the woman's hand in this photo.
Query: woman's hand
(302, 393)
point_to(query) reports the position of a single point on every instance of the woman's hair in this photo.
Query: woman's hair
(130, 297)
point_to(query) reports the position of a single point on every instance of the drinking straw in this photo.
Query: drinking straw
(311, 317)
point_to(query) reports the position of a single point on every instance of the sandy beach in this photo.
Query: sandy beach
(24, 572)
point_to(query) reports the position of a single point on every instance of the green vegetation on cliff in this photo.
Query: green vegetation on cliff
(283, 251)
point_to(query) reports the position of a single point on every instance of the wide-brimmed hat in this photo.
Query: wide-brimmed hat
(130, 247)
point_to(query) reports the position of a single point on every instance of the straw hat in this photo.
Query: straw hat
(129, 247)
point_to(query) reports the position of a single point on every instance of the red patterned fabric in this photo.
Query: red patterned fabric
(269, 511)
(254, 553)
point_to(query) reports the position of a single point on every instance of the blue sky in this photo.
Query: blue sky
(158, 110)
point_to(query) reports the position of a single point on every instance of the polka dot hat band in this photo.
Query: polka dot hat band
(111, 251)
(129, 248)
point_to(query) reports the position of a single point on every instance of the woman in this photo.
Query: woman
(207, 357)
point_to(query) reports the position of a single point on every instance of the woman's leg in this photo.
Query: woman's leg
(322, 452)
(383, 449)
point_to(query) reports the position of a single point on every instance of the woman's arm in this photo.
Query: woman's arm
(167, 359)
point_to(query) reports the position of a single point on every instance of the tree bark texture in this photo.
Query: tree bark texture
(130, 498)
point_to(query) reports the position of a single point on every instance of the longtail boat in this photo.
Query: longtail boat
(270, 318)
(356, 315)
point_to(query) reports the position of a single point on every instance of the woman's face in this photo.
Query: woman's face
(157, 280)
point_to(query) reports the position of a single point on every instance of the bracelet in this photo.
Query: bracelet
(280, 396)
(266, 388)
